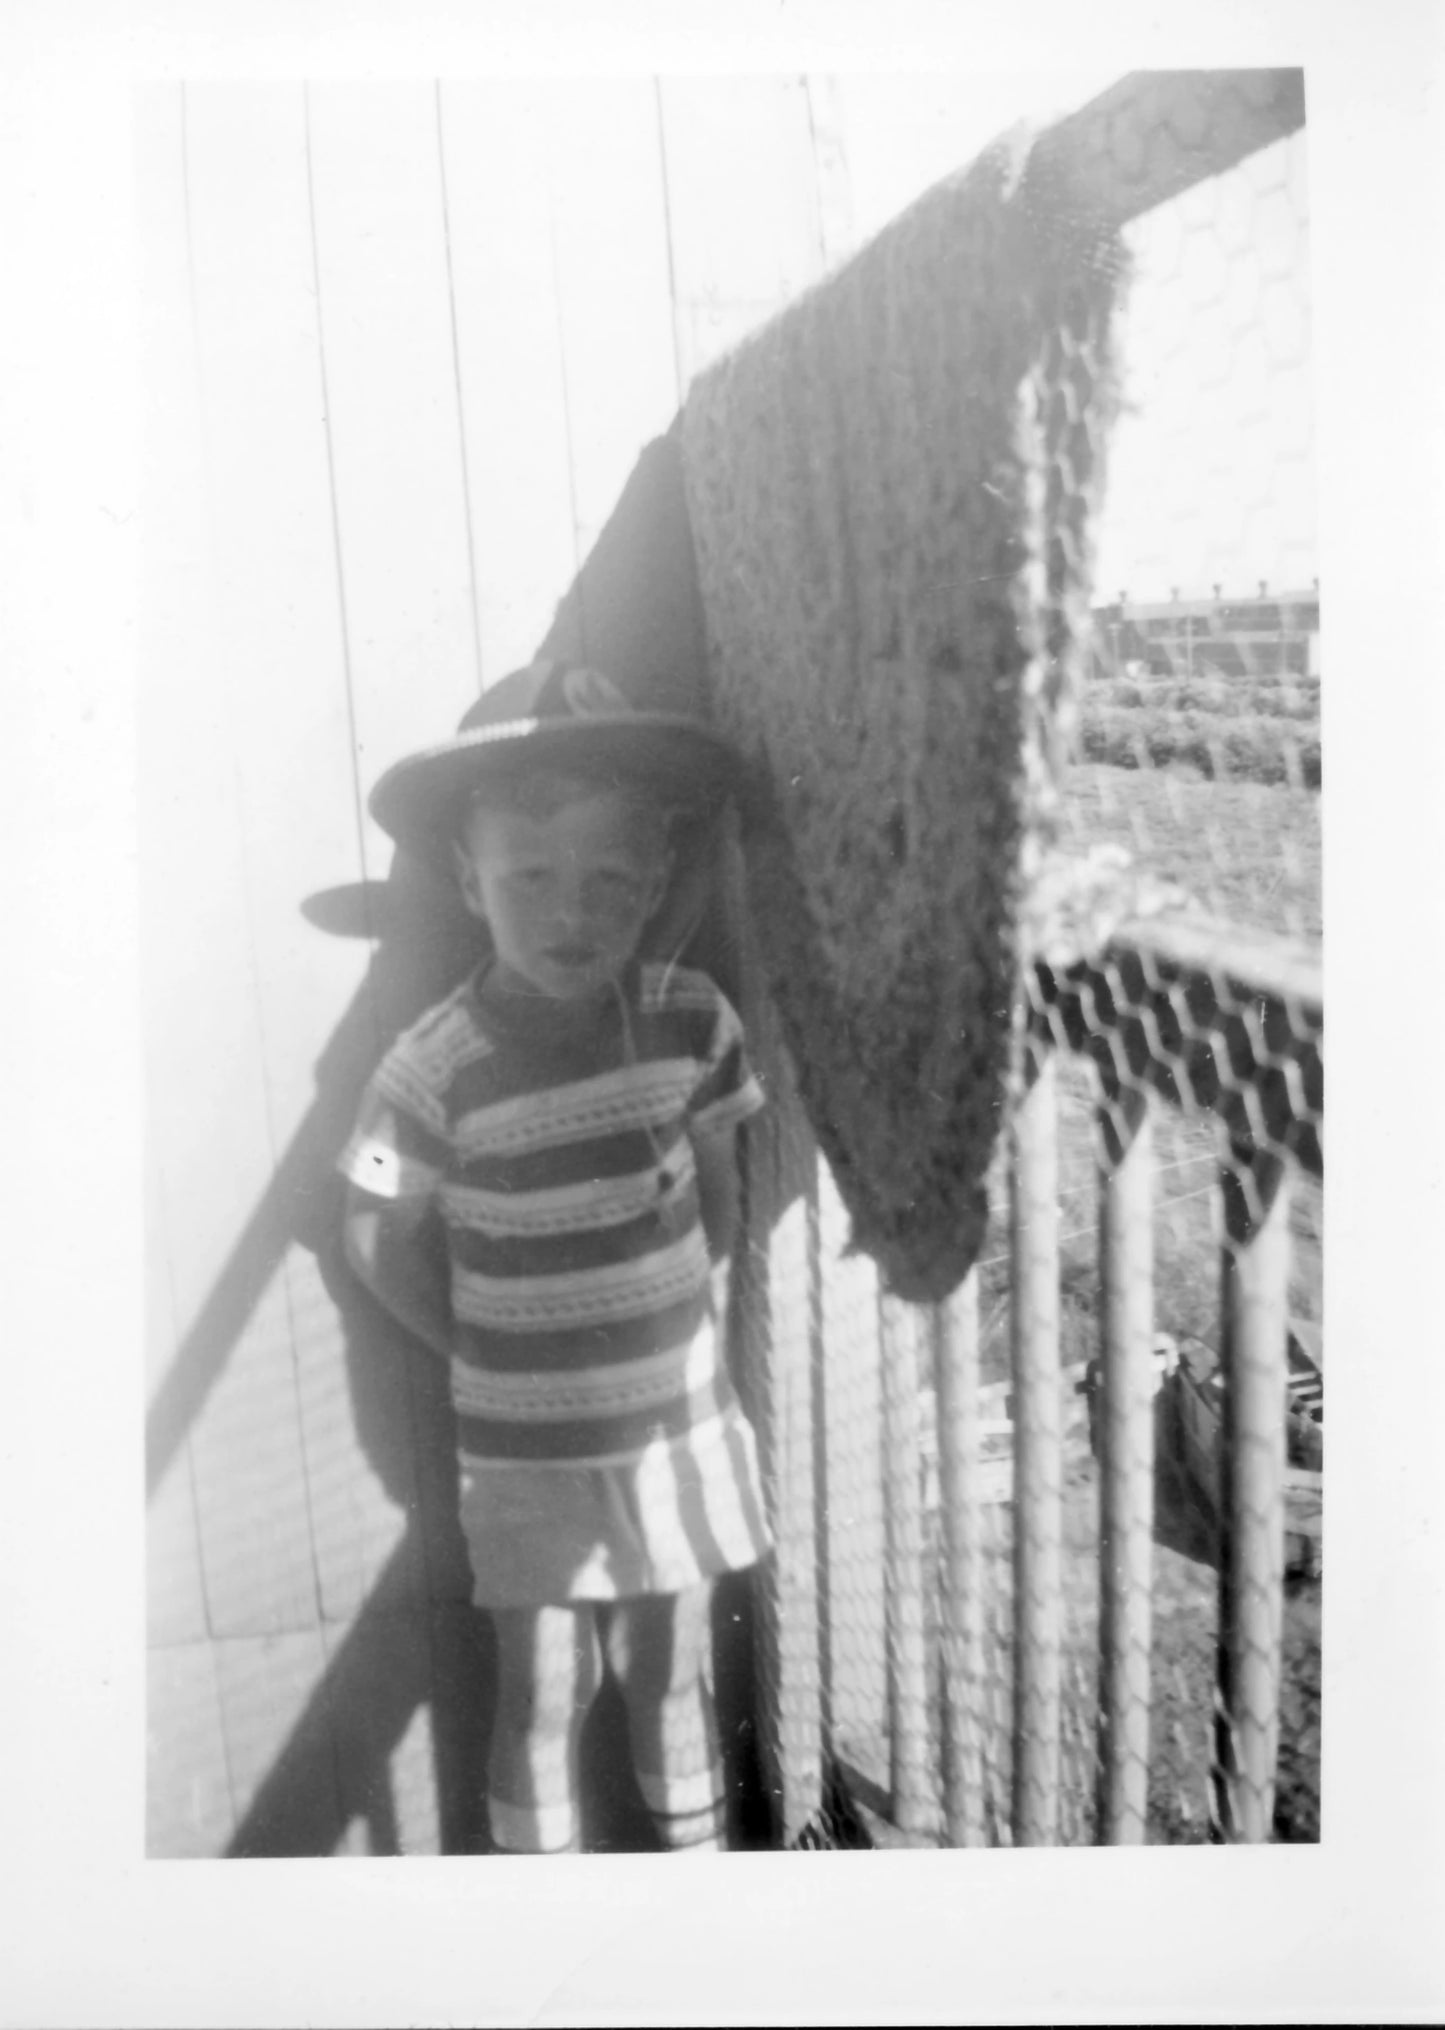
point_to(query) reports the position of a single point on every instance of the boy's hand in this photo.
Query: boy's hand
(399, 1253)
(721, 1283)
(717, 1189)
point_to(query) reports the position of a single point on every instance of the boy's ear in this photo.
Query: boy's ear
(466, 872)
(662, 875)
(691, 859)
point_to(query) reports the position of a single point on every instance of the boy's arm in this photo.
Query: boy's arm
(715, 1154)
(398, 1249)
(726, 1095)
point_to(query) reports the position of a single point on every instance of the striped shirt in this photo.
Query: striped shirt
(558, 1148)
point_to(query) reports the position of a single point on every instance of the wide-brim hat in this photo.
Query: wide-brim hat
(566, 716)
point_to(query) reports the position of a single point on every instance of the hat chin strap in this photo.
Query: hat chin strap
(681, 945)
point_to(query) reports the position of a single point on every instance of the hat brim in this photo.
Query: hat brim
(421, 801)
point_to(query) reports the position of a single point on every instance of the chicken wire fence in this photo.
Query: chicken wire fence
(1048, 1550)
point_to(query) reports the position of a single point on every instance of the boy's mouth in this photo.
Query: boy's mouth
(572, 955)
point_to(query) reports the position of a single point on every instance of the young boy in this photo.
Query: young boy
(542, 1179)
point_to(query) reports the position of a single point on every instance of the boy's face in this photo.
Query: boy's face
(565, 892)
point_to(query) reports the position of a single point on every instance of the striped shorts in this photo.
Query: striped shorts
(683, 1512)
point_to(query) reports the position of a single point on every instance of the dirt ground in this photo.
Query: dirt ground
(1185, 1598)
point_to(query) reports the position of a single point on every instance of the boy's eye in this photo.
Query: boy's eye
(532, 884)
(616, 887)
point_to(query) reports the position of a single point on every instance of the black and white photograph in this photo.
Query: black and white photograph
(721, 805)
(909, 1395)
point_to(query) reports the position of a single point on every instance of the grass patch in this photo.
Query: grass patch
(1242, 850)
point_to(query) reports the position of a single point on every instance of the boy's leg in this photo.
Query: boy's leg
(549, 1670)
(660, 1646)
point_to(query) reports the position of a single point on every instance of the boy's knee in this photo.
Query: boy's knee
(661, 1645)
(549, 1666)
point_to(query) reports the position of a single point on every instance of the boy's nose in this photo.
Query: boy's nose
(572, 906)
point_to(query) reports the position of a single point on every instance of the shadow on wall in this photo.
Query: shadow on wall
(416, 1641)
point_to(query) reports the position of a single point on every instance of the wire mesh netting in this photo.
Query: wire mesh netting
(1049, 1547)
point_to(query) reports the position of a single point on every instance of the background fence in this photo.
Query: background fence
(403, 349)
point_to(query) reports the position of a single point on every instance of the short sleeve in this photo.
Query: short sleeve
(727, 1091)
(398, 1149)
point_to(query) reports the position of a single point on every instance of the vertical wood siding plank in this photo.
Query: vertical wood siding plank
(175, 1591)
(251, 1491)
(282, 674)
(273, 1700)
(827, 127)
(746, 236)
(609, 232)
(498, 140)
(189, 1812)
(382, 1723)
(395, 433)
(205, 1078)
(359, 1446)
(282, 618)
(396, 453)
